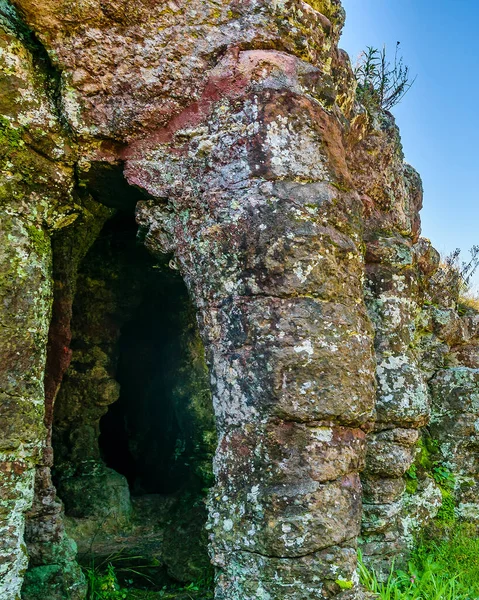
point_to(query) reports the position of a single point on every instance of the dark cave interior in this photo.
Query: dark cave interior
(134, 311)
(142, 435)
(135, 406)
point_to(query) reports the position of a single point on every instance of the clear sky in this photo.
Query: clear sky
(439, 117)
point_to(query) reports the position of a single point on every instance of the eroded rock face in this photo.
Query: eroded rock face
(128, 69)
(233, 132)
(392, 195)
(268, 222)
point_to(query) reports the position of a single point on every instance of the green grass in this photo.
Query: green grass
(445, 570)
(438, 570)
(103, 584)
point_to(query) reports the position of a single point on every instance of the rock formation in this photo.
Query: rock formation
(209, 247)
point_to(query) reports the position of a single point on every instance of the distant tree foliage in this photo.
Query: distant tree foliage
(381, 84)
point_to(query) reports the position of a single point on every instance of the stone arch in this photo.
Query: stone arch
(133, 429)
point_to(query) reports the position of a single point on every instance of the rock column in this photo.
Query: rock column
(392, 196)
(267, 237)
(35, 190)
(454, 426)
(25, 291)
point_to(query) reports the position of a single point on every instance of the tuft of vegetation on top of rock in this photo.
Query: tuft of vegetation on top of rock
(381, 84)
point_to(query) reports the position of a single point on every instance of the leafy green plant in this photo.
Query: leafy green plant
(344, 584)
(443, 476)
(381, 84)
(411, 479)
(447, 512)
(426, 463)
(104, 585)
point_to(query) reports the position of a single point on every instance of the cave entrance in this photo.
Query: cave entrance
(134, 431)
(148, 433)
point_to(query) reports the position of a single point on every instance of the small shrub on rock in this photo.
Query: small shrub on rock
(381, 84)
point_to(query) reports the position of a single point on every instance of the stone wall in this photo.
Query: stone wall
(341, 365)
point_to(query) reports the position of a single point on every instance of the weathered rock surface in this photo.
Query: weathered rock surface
(313, 346)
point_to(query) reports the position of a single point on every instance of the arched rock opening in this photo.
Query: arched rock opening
(133, 430)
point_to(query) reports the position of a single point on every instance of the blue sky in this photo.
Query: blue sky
(439, 117)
